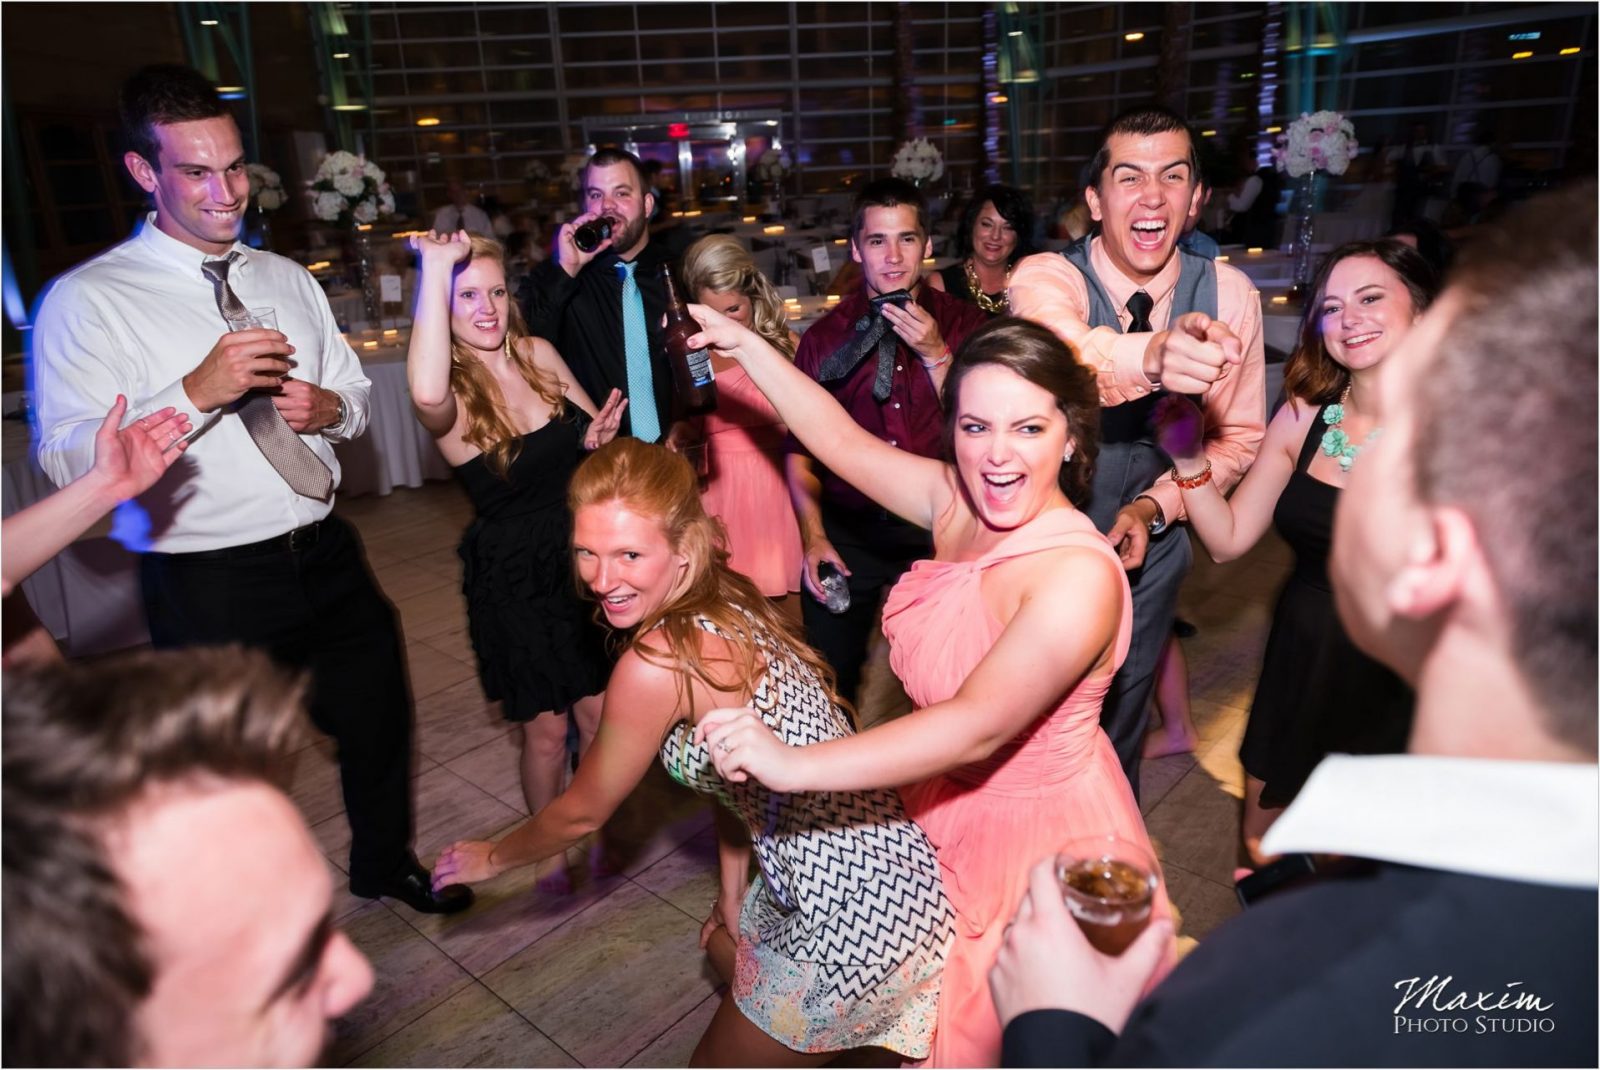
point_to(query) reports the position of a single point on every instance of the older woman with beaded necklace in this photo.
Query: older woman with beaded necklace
(1317, 693)
(996, 231)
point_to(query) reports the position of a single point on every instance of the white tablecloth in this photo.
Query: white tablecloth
(88, 596)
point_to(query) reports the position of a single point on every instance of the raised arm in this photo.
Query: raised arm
(1063, 627)
(1229, 527)
(911, 487)
(428, 358)
(127, 460)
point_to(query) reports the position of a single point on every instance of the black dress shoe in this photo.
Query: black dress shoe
(414, 888)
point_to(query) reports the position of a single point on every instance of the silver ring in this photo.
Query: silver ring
(722, 745)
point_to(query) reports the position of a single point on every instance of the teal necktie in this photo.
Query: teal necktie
(636, 343)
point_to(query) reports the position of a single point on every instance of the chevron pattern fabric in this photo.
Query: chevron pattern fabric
(843, 936)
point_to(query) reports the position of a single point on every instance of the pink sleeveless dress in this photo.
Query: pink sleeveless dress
(746, 487)
(991, 821)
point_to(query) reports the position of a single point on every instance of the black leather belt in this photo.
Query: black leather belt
(289, 542)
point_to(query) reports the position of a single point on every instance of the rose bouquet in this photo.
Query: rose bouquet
(1321, 141)
(773, 165)
(350, 189)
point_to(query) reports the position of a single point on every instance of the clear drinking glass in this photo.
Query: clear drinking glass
(254, 318)
(1109, 885)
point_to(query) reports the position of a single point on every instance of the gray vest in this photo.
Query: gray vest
(1196, 292)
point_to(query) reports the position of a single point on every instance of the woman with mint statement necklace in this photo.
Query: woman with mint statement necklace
(1317, 694)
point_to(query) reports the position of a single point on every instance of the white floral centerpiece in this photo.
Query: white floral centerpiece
(773, 165)
(537, 172)
(350, 190)
(266, 188)
(572, 171)
(918, 161)
(1321, 141)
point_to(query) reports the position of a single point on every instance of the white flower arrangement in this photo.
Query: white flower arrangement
(773, 165)
(537, 172)
(572, 170)
(266, 188)
(918, 161)
(350, 189)
(1321, 141)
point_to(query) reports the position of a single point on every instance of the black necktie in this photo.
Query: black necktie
(288, 454)
(873, 332)
(1139, 306)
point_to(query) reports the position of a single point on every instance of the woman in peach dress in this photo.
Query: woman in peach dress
(1007, 639)
(744, 438)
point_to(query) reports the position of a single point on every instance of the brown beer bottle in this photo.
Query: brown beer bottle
(589, 236)
(691, 368)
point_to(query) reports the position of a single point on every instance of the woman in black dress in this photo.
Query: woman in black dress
(513, 423)
(996, 231)
(1317, 694)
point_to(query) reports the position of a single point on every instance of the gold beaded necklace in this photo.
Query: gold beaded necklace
(989, 304)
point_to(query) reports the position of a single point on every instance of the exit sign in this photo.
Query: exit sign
(678, 130)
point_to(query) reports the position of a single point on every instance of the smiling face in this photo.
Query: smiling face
(478, 305)
(627, 561)
(1380, 525)
(890, 248)
(993, 239)
(614, 190)
(198, 181)
(1365, 311)
(1010, 441)
(731, 303)
(1141, 201)
(250, 969)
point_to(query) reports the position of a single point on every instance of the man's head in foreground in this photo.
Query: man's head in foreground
(164, 902)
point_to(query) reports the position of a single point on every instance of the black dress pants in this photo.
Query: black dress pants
(315, 608)
(877, 548)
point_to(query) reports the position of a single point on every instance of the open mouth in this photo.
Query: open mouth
(1356, 341)
(1149, 233)
(1002, 489)
(617, 604)
(486, 325)
(222, 216)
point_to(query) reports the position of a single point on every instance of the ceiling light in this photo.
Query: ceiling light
(208, 22)
(341, 55)
(1135, 36)
(428, 120)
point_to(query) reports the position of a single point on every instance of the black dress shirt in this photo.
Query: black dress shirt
(582, 318)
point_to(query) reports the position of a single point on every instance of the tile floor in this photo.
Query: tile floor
(611, 975)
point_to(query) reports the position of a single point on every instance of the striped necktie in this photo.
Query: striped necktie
(288, 454)
(636, 344)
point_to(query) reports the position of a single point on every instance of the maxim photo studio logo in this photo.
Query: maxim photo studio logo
(1439, 1005)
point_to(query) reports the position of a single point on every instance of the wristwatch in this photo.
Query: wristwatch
(1158, 523)
(343, 412)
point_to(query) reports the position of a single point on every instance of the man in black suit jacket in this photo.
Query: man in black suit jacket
(1465, 557)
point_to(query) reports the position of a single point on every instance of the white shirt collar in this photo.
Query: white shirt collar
(1524, 821)
(180, 255)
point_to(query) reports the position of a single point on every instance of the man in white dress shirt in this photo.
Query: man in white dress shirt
(237, 539)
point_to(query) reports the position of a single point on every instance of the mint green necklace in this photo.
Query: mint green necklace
(1335, 443)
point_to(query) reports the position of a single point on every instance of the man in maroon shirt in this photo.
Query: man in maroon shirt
(883, 353)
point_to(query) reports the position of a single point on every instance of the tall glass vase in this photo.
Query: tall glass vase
(1305, 202)
(366, 275)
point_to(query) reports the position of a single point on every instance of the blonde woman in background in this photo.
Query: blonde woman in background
(744, 438)
(513, 423)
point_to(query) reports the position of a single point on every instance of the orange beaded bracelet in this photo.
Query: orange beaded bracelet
(1199, 479)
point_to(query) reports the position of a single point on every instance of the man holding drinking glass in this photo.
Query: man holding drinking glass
(237, 540)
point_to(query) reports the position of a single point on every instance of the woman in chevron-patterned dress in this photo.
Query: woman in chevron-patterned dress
(840, 940)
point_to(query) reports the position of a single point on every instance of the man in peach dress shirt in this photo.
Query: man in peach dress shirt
(1149, 317)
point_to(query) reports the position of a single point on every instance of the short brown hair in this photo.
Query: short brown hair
(887, 193)
(82, 743)
(1035, 354)
(610, 156)
(1506, 432)
(160, 95)
(1311, 374)
(1143, 121)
